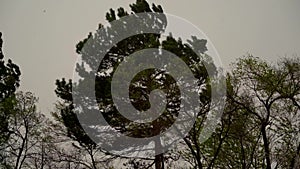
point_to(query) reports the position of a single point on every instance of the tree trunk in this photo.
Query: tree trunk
(159, 161)
(266, 145)
(159, 158)
(295, 158)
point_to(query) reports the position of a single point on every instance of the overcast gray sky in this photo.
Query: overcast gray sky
(40, 35)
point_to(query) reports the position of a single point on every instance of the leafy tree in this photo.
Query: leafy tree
(270, 94)
(223, 149)
(257, 93)
(235, 143)
(9, 82)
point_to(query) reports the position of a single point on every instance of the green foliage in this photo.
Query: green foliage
(270, 94)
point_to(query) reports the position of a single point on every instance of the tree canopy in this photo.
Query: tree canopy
(259, 127)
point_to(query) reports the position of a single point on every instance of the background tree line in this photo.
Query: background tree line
(260, 126)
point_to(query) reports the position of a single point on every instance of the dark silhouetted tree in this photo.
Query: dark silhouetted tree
(141, 86)
(9, 82)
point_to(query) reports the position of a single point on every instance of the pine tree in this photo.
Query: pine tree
(141, 85)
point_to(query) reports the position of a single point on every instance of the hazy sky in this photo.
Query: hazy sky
(40, 35)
